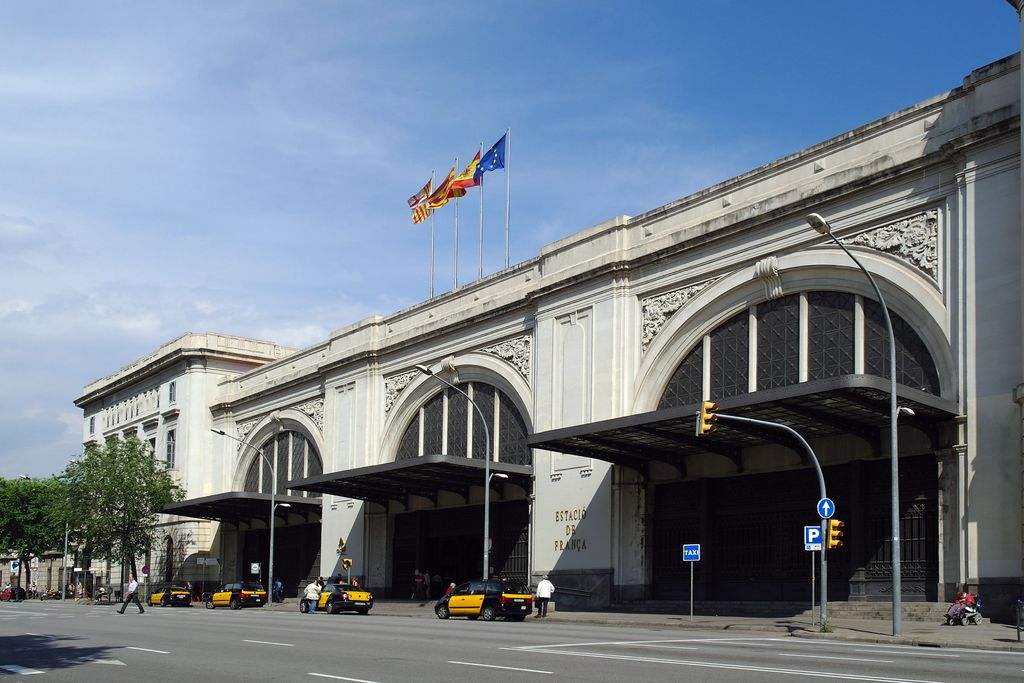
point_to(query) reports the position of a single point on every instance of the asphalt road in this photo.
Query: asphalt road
(51, 641)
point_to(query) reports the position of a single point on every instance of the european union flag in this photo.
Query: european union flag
(493, 159)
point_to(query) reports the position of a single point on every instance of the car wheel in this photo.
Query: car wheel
(442, 612)
(234, 604)
(487, 613)
(165, 602)
(209, 603)
(333, 608)
(303, 606)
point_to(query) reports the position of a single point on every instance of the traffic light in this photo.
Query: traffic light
(707, 418)
(346, 563)
(835, 534)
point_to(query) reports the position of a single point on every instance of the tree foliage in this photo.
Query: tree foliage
(116, 492)
(32, 520)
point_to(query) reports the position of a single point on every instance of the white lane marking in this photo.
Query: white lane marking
(15, 669)
(904, 652)
(665, 647)
(844, 659)
(749, 641)
(738, 667)
(267, 642)
(146, 649)
(341, 678)
(506, 668)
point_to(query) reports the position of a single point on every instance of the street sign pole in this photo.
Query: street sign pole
(812, 588)
(691, 591)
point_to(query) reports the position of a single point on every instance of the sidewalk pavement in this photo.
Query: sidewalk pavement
(987, 636)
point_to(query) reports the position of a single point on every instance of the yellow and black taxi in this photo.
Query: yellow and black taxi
(237, 595)
(341, 597)
(167, 596)
(487, 600)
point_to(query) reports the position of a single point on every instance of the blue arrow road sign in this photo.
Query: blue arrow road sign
(826, 508)
(691, 552)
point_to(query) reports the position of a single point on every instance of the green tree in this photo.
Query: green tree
(116, 493)
(33, 518)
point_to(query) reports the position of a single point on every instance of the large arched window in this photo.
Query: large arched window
(447, 424)
(294, 456)
(836, 326)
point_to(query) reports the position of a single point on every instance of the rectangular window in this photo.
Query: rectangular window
(172, 392)
(92, 425)
(170, 448)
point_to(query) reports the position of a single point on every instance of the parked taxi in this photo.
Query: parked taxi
(487, 600)
(341, 597)
(166, 596)
(237, 595)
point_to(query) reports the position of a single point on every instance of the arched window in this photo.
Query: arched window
(447, 424)
(293, 456)
(830, 348)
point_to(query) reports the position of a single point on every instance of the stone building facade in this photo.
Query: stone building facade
(578, 373)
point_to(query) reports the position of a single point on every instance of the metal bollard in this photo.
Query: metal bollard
(1020, 616)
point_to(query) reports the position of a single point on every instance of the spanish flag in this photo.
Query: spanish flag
(468, 177)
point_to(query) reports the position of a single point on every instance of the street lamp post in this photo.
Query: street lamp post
(273, 492)
(487, 466)
(817, 222)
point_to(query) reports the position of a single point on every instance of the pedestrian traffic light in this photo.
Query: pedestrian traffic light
(706, 418)
(346, 563)
(835, 534)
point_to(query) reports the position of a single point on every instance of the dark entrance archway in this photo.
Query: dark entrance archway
(750, 531)
(449, 543)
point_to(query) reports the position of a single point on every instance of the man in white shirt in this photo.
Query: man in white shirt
(544, 590)
(133, 596)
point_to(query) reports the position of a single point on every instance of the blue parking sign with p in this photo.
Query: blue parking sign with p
(812, 538)
(691, 552)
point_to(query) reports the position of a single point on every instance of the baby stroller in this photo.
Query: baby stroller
(965, 613)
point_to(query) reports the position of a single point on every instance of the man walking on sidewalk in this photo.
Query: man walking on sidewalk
(544, 590)
(133, 596)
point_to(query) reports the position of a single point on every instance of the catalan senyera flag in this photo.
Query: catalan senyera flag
(468, 178)
(445, 192)
(420, 213)
(418, 203)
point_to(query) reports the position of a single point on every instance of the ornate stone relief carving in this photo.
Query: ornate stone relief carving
(914, 240)
(767, 271)
(656, 310)
(393, 386)
(315, 410)
(516, 352)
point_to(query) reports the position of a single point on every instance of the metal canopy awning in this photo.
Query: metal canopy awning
(240, 506)
(851, 404)
(423, 476)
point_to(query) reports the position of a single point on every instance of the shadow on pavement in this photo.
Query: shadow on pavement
(48, 652)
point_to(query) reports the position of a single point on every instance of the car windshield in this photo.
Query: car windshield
(252, 587)
(179, 589)
(515, 587)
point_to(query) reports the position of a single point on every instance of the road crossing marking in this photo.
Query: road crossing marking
(341, 678)
(15, 669)
(146, 649)
(506, 668)
(267, 642)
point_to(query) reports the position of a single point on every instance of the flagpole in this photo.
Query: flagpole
(455, 270)
(480, 260)
(431, 240)
(508, 185)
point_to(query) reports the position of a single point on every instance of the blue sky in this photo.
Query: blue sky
(242, 167)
